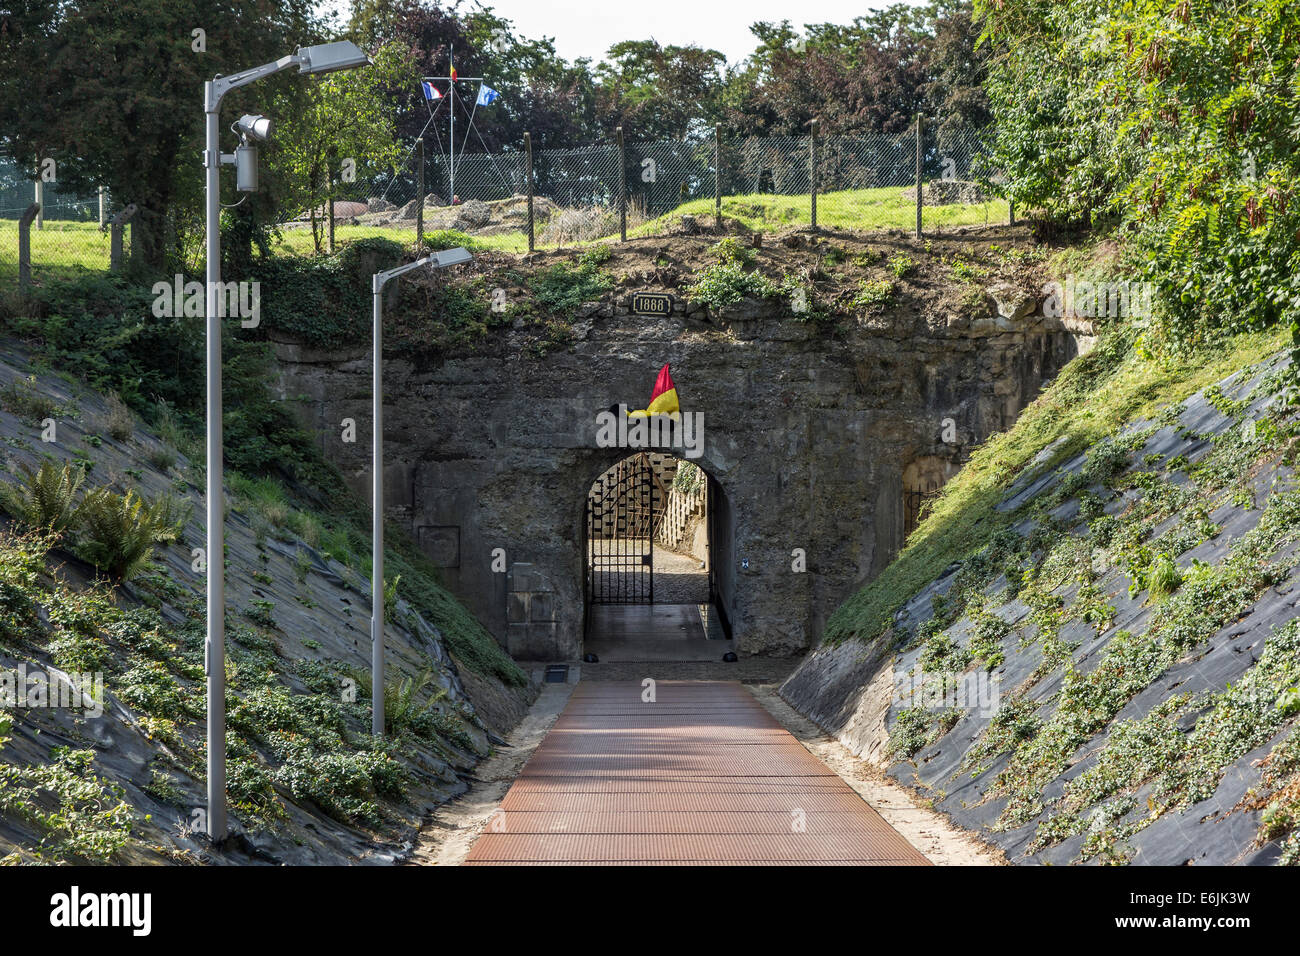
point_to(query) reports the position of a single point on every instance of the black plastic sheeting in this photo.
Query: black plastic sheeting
(1209, 832)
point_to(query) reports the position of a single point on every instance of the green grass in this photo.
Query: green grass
(299, 241)
(1092, 397)
(59, 249)
(886, 207)
(66, 248)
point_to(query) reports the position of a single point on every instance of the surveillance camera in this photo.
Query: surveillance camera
(252, 126)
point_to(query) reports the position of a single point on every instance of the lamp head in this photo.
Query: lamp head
(328, 57)
(449, 257)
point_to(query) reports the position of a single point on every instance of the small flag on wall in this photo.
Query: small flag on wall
(486, 95)
(430, 91)
(663, 401)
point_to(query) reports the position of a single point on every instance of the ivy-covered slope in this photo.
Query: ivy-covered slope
(307, 782)
(1113, 584)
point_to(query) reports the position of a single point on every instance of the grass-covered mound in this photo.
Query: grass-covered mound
(1094, 396)
(1118, 565)
(101, 332)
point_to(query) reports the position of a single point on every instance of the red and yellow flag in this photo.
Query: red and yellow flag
(453, 74)
(663, 401)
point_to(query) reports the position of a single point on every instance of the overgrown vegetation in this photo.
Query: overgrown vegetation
(1183, 136)
(1115, 509)
(1088, 402)
(102, 331)
(115, 533)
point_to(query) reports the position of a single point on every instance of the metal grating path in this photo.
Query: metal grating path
(701, 774)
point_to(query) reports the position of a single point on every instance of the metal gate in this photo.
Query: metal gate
(916, 505)
(620, 533)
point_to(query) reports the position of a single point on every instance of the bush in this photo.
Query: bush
(45, 499)
(731, 251)
(440, 239)
(728, 283)
(117, 533)
(119, 422)
(901, 265)
(561, 288)
(874, 294)
(402, 705)
(82, 819)
(22, 399)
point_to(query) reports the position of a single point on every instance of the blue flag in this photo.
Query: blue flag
(486, 96)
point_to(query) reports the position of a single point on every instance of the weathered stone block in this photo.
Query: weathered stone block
(541, 606)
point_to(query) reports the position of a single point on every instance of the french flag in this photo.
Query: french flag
(430, 91)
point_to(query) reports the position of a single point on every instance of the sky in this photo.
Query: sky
(589, 27)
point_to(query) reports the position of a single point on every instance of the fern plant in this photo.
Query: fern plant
(44, 499)
(403, 708)
(117, 533)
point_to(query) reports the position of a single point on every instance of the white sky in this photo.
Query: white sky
(589, 27)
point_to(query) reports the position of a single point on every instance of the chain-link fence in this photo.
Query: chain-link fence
(624, 187)
(65, 235)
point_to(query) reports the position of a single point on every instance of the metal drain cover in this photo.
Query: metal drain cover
(557, 673)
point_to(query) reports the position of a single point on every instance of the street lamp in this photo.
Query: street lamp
(313, 59)
(439, 260)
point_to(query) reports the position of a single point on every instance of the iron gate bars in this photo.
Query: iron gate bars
(620, 533)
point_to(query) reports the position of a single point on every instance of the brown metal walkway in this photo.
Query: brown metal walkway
(701, 775)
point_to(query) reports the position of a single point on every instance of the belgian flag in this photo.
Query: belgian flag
(663, 401)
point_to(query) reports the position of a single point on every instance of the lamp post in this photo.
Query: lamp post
(324, 58)
(439, 260)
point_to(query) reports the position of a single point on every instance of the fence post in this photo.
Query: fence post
(419, 209)
(25, 246)
(1011, 213)
(717, 178)
(812, 170)
(38, 200)
(329, 187)
(622, 186)
(528, 173)
(919, 155)
(115, 228)
(102, 212)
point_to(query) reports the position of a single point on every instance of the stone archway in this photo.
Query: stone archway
(656, 536)
(489, 456)
(923, 479)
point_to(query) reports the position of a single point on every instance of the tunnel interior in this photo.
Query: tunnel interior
(657, 573)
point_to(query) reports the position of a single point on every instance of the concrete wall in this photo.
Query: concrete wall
(806, 437)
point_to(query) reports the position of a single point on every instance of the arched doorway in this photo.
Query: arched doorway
(650, 568)
(923, 479)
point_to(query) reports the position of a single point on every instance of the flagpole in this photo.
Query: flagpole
(451, 136)
(452, 80)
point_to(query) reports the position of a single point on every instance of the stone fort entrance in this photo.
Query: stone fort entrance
(806, 447)
(649, 572)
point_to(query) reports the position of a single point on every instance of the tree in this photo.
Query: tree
(112, 92)
(344, 116)
(540, 92)
(659, 92)
(1174, 122)
(870, 76)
